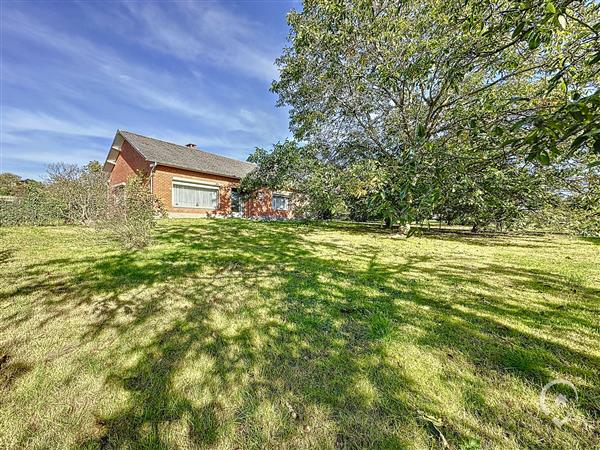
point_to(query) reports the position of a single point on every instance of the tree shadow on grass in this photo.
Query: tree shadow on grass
(514, 240)
(154, 400)
(5, 256)
(10, 370)
(317, 349)
(593, 240)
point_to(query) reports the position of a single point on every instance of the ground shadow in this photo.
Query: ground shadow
(327, 324)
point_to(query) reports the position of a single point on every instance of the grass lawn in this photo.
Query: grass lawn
(237, 334)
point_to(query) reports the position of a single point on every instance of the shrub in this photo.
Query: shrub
(132, 212)
(9, 183)
(81, 192)
(565, 218)
(81, 195)
(71, 194)
(34, 206)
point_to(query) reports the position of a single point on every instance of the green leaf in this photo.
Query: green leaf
(520, 123)
(576, 114)
(595, 59)
(578, 141)
(563, 85)
(550, 8)
(518, 29)
(562, 21)
(544, 158)
(552, 83)
(533, 40)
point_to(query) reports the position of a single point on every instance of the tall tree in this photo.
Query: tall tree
(402, 94)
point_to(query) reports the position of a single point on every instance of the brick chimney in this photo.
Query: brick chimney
(190, 145)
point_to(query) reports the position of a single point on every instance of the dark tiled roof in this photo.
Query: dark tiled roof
(169, 154)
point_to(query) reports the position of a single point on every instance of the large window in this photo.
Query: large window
(187, 195)
(280, 202)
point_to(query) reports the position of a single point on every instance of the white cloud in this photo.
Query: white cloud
(52, 153)
(28, 153)
(205, 32)
(86, 87)
(138, 85)
(35, 137)
(16, 120)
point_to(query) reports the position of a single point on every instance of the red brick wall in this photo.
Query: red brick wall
(162, 182)
(260, 205)
(128, 162)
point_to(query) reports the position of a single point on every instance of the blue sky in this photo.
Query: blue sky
(74, 72)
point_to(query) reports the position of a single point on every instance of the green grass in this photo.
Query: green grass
(238, 334)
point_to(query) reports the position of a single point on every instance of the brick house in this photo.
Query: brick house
(188, 181)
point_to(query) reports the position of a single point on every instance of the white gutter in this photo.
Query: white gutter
(152, 168)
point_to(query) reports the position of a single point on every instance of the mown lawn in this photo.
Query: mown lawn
(237, 334)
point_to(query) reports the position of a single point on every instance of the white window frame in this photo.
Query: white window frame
(197, 184)
(287, 197)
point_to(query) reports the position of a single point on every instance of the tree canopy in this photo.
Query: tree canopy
(404, 105)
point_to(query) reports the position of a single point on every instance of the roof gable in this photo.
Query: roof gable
(174, 155)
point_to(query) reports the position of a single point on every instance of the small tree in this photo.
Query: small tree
(81, 192)
(132, 212)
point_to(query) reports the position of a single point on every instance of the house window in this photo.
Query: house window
(236, 201)
(280, 202)
(190, 196)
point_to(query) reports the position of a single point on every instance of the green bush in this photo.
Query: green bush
(81, 192)
(35, 206)
(80, 195)
(132, 212)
